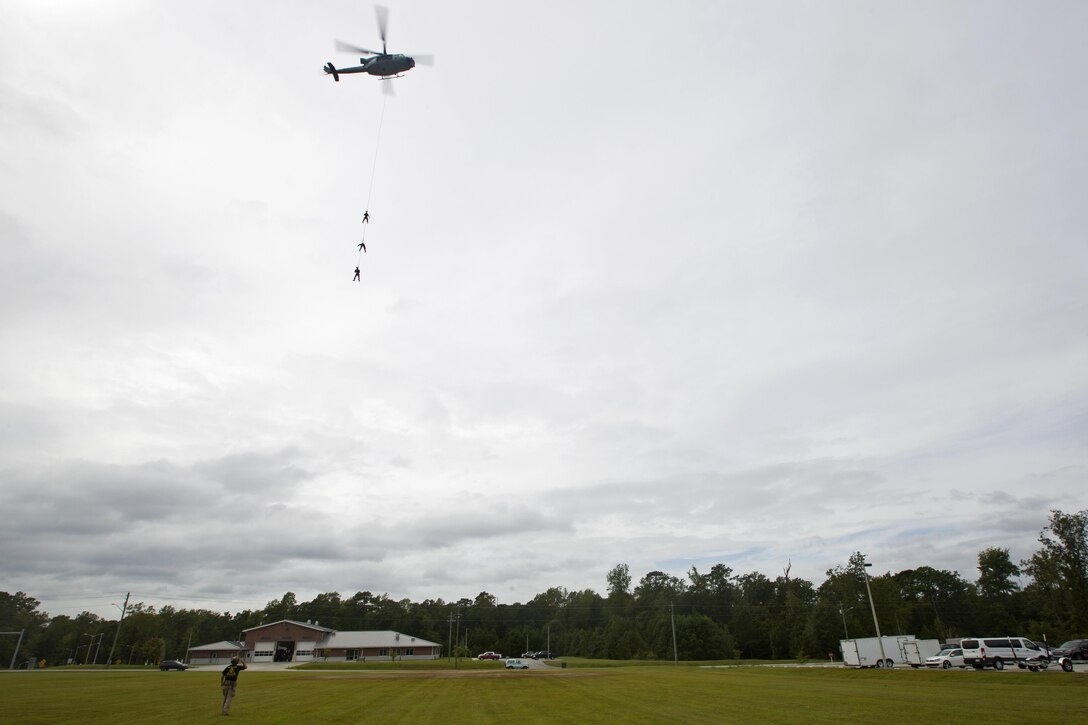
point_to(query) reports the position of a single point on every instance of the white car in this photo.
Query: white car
(946, 659)
(516, 665)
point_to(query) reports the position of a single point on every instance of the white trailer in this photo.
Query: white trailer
(866, 652)
(916, 651)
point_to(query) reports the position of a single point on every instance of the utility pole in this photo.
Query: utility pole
(449, 639)
(457, 639)
(109, 660)
(672, 618)
(880, 641)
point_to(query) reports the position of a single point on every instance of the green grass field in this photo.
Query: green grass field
(638, 694)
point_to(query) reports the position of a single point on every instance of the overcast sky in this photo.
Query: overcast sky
(669, 284)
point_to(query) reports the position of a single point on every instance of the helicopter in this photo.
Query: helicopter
(384, 64)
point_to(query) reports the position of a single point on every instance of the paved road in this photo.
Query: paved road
(280, 666)
(1077, 667)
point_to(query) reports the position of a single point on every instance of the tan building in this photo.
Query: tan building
(348, 646)
(284, 641)
(291, 641)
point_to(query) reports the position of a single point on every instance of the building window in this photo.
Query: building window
(409, 651)
(353, 654)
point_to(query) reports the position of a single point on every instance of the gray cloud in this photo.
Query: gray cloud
(824, 295)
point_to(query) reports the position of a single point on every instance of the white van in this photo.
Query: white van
(979, 652)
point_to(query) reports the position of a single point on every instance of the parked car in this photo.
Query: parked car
(946, 659)
(544, 655)
(979, 652)
(1074, 649)
(516, 665)
(528, 655)
(489, 655)
(172, 665)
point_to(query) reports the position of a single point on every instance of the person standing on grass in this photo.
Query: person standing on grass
(229, 681)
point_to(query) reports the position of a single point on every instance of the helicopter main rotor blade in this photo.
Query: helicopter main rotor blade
(422, 59)
(383, 19)
(349, 48)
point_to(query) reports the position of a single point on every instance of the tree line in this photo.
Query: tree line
(715, 614)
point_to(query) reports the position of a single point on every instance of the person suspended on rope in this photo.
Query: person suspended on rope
(356, 277)
(362, 246)
(366, 216)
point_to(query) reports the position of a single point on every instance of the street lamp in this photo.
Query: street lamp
(87, 658)
(90, 643)
(18, 644)
(865, 565)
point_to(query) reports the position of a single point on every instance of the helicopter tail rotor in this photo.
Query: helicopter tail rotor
(330, 69)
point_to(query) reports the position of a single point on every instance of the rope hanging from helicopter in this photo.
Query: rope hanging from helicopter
(370, 191)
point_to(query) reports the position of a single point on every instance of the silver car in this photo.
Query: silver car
(946, 659)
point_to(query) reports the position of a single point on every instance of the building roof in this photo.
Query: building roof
(381, 638)
(311, 625)
(222, 645)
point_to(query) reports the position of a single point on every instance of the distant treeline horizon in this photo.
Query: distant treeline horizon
(716, 614)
